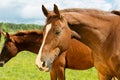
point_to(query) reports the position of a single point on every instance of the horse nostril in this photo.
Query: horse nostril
(43, 64)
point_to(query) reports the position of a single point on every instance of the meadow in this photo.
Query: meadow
(22, 67)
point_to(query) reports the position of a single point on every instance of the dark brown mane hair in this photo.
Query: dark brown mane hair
(25, 32)
(116, 12)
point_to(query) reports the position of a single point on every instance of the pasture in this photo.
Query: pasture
(23, 65)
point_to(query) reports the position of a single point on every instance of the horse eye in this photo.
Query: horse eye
(57, 32)
(9, 40)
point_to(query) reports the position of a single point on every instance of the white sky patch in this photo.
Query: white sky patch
(39, 22)
(5, 3)
(98, 4)
(38, 62)
(116, 5)
(31, 9)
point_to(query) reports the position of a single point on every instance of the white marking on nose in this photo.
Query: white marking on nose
(38, 61)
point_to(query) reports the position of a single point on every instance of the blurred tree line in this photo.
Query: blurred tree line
(10, 27)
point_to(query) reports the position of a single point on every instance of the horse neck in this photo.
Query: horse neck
(93, 30)
(31, 43)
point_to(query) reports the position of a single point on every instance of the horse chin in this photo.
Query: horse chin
(42, 66)
(45, 69)
(46, 64)
(2, 63)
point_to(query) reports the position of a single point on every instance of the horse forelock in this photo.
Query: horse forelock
(47, 29)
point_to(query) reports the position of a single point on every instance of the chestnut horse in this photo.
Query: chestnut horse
(78, 56)
(97, 29)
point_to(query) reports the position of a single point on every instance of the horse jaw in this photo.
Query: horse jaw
(2, 63)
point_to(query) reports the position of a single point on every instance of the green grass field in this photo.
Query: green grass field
(22, 67)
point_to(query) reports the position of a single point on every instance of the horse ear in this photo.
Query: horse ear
(6, 34)
(45, 11)
(75, 35)
(56, 11)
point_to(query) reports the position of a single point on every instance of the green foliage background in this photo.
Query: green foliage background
(10, 27)
(22, 67)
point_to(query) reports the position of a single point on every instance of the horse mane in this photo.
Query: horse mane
(90, 12)
(26, 32)
(116, 12)
(82, 10)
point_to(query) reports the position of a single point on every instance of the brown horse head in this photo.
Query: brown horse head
(22, 40)
(9, 49)
(56, 25)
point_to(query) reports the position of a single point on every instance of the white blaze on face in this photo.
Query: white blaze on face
(38, 61)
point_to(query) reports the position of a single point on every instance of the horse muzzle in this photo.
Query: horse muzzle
(2, 63)
(42, 67)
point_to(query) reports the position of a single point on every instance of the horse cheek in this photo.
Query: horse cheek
(13, 49)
